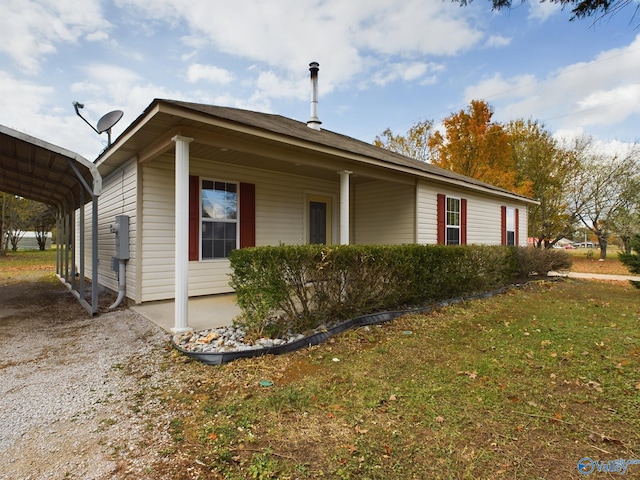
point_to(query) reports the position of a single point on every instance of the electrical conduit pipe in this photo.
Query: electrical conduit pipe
(122, 283)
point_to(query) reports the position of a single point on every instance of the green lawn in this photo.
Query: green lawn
(522, 385)
(27, 258)
(27, 261)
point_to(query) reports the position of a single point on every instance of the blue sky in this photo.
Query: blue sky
(383, 63)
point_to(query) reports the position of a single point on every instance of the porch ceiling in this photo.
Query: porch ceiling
(41, 171)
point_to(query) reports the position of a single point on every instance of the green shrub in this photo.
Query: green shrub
(299, 287)
(632, 260)
(539, 261)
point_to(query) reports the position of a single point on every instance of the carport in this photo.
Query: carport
(66, 181)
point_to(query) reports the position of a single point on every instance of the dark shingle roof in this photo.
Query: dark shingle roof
(295, 129)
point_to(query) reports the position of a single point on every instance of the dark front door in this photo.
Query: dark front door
(318, 222)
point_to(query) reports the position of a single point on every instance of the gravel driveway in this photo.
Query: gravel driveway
(72, 388)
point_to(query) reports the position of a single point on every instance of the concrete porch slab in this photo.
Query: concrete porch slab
(204, 312)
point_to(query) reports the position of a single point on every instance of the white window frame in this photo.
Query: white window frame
(511, 226)
(458, 213)
(235, 221)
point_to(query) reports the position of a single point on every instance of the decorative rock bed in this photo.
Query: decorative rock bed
(225, 344)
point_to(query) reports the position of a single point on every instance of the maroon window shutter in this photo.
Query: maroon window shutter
(247, 215)
(503, 225)
(194, 217)
(441, 222)
(517, 225)
(463, 221)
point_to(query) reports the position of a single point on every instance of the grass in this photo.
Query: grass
(522, 385)
(518, 386)
(584, 262)
(23, 262)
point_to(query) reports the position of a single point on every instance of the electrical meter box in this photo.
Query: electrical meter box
(121, 229)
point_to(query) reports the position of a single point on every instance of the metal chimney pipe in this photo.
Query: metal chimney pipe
(314, 122)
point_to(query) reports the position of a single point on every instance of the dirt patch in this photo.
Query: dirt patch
(76, 392)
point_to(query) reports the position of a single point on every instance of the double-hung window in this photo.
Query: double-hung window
(453, 221)
(219, 218)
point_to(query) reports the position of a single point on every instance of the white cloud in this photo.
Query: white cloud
(497, 41)
(32, 29)
(209, 73)
(111, 74)
(610, 106)
(271, 85)
(601, 92)
(346, 38)
(405, 71)
(543, 10)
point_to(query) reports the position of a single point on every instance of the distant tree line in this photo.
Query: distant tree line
(20, 215)
(577, 187)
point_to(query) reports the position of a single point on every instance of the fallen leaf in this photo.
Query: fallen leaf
(638, 386)
(558, 416)
(595, 385)
(361, 430)
(352, 449)
(387, 449)
(392, 398)
(439, 419)
(213, 436)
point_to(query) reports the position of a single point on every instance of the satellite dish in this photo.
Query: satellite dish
(109, 120)
(104, 124)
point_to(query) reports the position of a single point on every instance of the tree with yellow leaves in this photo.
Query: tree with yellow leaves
(475, 146)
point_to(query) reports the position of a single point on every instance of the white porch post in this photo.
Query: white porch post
(344, 207)
(181, 322)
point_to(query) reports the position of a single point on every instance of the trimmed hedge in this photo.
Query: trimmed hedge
(294, 289)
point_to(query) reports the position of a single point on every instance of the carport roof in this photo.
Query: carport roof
(41, 171)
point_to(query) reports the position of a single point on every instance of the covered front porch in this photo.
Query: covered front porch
(206, 312)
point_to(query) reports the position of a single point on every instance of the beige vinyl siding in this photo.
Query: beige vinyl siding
(427, 213)
(384, 213)
(484, 219)
(118, 198)
(280, 218)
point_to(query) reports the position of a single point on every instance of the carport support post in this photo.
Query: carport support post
(344, 207)
(181, 322)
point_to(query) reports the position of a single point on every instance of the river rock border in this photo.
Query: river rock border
(223, 345)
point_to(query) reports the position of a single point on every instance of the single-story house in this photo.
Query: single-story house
(197, 181)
